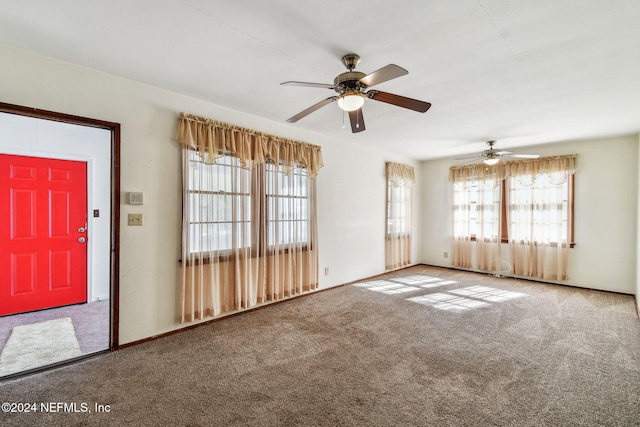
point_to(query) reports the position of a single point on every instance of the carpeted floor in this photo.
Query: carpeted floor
(421, 347)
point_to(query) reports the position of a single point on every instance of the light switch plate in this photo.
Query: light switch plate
(136, 198)
(134, 219)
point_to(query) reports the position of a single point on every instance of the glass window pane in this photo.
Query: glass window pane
(194, 238)
(538, 211)
(219, 205)
(287, 206)
(271, 233)
(397, 209)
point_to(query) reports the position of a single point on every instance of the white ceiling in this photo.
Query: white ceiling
(522, 72)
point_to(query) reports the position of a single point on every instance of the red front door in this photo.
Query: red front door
(43, 221)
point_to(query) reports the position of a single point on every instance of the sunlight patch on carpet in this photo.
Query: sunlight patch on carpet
(423, 281)
(447, 302)
(487, 294)
(398, 285)
(387, 287)
(455, 299)
(39, 344)
(466, 298)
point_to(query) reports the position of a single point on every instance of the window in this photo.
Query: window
(540, 211)
(224, 212)
(400, 179)
(526, 203)
(220, 205)
(552, 204)
(248, 217)
(398, 209)
(477, 209)
(287, 206)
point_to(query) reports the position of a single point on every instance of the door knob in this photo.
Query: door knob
(81, 230)
(81, 239)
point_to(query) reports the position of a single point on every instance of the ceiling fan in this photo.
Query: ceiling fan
(492, 156)
(353, 89)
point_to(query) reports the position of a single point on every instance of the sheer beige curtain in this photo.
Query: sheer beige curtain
(539, 217)
(488, 237)
(476, 216)
(461, 241)
(400, 180)
(249, 217)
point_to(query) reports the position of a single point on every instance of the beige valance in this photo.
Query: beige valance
(475, 172)
(213, 139)
(400, 174)
(558, 167)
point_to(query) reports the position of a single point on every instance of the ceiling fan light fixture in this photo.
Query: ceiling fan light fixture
(351, 101)
(491, 161)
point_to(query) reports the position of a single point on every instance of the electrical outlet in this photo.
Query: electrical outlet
(446, 254)
(134, 219)
(326, 271)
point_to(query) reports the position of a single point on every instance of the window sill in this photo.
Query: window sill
(228, 256)
(503, 240)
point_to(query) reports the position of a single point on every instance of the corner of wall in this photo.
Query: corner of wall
(638, 235)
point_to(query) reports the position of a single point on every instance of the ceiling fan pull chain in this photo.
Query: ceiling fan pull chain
(344, 113)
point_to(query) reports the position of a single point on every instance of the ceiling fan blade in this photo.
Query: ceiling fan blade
(400, 101)
(305, 84)
(503, 153)
(523, 156)
(311, 109)
(382, 75)
(357, 120)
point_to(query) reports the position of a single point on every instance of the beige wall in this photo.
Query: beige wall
(351, 186)
(606, 211)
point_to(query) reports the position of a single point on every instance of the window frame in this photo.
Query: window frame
(258, 213)
(284, 247)
(504, 234)
(407, 189)
(570, 208)
(227, 252)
